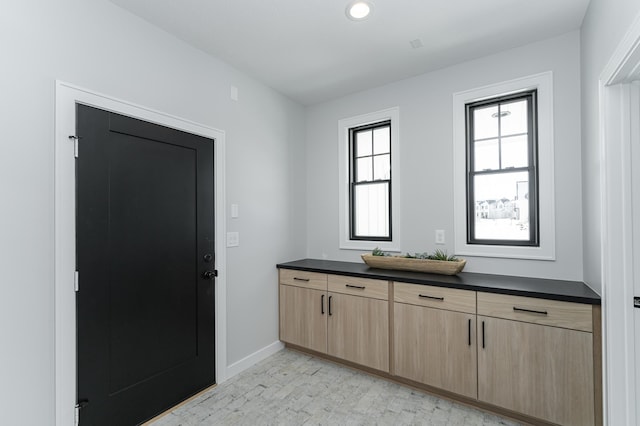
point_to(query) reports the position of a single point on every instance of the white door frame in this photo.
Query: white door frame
(67, 96)
(618, 102)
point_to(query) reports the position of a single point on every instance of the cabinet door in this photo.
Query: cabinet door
(359, 330)
(542, 371)
(303, 317)
(436, 347)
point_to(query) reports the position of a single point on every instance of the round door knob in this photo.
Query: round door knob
(208, 275)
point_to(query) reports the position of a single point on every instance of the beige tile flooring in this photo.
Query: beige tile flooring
(291, 388)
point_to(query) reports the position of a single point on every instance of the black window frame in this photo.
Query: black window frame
(353, 184)
(532, 168)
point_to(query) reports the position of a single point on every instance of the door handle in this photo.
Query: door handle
(426, 296)
(322, 304)
(469, 331)
(482, 334)
(531, 311)
(209, 275)
(330, 297)
(359, 287)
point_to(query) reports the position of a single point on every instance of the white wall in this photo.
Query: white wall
(604, 25)
(426, 155)
(101, 47)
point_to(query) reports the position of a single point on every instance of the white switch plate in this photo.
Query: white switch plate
(234, 211)
(439, 236)
(233, 239)
(234, 93)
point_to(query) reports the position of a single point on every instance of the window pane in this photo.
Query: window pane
(502, 206)
(515, 152)
(381, 140)
(486, 155)
(372, 210)
(484, 124)
(382, 167)
(363, 170)
(516, 121)
(363, 143)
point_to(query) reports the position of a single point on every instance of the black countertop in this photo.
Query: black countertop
(568, 291)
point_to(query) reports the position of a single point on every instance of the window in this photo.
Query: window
(502, 201)
(503, 168)
(369, 181)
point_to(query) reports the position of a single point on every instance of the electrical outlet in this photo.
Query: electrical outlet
(439, 236)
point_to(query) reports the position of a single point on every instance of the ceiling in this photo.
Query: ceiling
(309, 51)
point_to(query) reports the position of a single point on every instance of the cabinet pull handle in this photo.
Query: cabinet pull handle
(322, 304)
(301, 279)
(531, 311)
(359, 287)
(469, 331)
(330, 297)
(425, 296)
(482, 334)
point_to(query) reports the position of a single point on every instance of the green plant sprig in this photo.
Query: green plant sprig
(437, 255)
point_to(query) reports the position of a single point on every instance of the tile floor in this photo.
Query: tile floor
(291, 388)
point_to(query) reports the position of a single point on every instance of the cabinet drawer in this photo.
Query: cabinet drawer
(575, 316)
(452, 299)
(375, 289)
(303, 279)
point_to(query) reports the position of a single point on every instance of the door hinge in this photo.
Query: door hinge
(75, 140)
(79, 406)
(76, 280)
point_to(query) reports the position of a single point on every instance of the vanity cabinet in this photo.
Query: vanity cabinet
(359, 321)
(435, 337)
(536, 357)
(344, 317)
(302, 320)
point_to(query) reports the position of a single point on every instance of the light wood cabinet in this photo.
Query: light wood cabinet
(303, 319)
(359, 330)
(539, 370)
(575, 316)
(529, 356)
(436, 347)
(345, 317)
(435, 337)
(451, 299)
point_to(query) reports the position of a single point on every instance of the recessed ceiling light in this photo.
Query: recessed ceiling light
(359, 10)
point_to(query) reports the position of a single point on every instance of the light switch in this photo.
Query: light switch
(439, 236)
(234, 93)
(233, 239)
(234, 211)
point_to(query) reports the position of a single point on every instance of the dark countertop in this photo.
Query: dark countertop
(568, 291)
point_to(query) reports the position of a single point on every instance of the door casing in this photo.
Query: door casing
(67, 96)
(619, 100)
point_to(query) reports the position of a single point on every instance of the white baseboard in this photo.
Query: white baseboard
(254, 358)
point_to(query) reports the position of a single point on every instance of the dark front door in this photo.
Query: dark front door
(144, 225)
